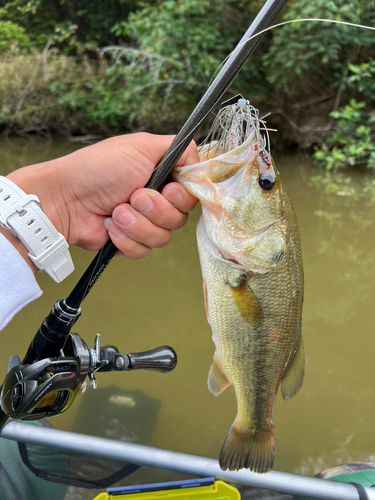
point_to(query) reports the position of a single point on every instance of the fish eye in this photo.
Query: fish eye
(267, 181)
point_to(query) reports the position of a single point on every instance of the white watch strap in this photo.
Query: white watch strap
(23, 216)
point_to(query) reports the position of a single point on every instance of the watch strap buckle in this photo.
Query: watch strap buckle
(17, 207)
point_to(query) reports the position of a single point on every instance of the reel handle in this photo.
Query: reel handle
(162, 359)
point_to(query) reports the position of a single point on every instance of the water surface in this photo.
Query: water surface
(137, 305)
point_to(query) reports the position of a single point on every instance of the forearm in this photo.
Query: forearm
(101, 187)
(82, 194)
(18, 285)
(20, 247)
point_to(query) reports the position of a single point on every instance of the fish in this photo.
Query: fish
(250, 256)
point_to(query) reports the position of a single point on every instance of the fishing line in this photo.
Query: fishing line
(305, 19)
(313, 19)
(54, 331)
(107, 250)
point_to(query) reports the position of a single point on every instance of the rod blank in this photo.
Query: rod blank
(220, 84)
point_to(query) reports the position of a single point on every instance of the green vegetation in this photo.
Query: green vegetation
(351, 140)
(79, 67)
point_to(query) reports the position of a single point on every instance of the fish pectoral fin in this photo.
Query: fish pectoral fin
(291, 382)
(247, 304)
(217, 380)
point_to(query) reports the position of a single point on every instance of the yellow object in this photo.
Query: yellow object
(217, 491)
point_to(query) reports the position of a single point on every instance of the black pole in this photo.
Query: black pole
(220, 84)
(91, 275)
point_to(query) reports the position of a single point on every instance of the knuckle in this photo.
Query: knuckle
(137, 253)
(163, 240)
(193, 145)
(181, 222)
(140, 253)
(132, 249)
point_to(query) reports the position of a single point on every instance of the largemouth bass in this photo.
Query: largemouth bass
(250, 256)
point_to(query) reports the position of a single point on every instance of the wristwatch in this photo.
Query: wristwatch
(22, 215)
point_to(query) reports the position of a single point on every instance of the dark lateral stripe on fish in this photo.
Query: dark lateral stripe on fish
(263, 399)
(251, 312)
(247, 304)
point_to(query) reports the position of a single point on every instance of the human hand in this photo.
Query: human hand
(80, 191)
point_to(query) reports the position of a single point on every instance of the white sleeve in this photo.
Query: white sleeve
(18, 285)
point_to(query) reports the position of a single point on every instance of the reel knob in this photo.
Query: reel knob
(161, 359)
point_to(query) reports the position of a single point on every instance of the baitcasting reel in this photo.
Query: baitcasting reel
(48, 387)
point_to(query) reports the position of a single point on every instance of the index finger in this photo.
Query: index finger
(189, 156)
(179, 197)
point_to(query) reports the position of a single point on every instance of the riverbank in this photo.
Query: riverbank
(54, 95)
(120, 67)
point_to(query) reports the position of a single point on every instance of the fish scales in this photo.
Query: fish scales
(251, 262)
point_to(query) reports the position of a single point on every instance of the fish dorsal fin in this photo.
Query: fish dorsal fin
(247, 304)
(217, 380)
(291, 382)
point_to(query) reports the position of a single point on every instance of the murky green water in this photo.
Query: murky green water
(138, 305)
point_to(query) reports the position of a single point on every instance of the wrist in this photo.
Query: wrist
(43, 180)
(40, 232)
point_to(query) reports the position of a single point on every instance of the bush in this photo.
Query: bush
(12, 35)
(47, 92)
(176, 47)
(352, 139)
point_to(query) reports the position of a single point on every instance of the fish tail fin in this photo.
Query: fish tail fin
(254, 451)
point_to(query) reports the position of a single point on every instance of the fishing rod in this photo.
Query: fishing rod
(211, 97)
(53, 337)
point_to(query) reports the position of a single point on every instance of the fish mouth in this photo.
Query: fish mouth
(234, 138)
(211, 150)
(238, 155)
(233, 126)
